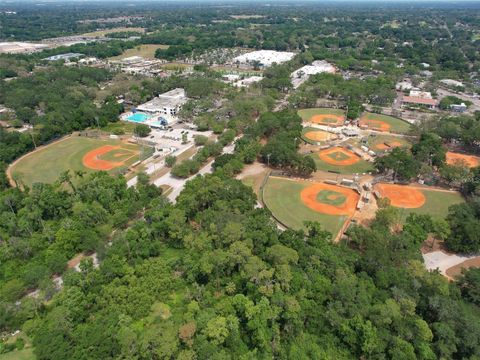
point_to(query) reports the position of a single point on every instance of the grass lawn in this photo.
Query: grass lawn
(25, 354)
(126, 126)
(374, 140)
(436, 204)
(396, 125)
(175, 66)
(306, 114)
(146, 51)
(360, 167)
(282, 197)
(46, 164)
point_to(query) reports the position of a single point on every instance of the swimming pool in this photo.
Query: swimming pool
(138, 117)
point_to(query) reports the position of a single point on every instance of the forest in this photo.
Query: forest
(212, 276)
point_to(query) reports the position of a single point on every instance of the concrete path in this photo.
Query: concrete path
(443, 261)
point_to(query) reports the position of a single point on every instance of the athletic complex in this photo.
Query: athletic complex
(344, 188)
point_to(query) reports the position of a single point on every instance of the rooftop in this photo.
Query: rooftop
(265, 57)
(66, 56)
(319, 66)
(419, 100)
(171, 99)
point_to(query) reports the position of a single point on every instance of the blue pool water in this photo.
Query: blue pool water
(138, 117)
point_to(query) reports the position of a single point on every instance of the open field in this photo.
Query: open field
(314, 136)
(341, 160)
(146, 51)
(420, 200)
(381, 143)
(176, 66)
(25, 354)
(76, 153)
(323, 116)
(293, 202)
(456, 270)
(125, 126)
(384, 123)
(114, 30)
(253, 175)
(470, 161)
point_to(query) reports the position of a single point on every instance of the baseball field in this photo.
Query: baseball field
(420, 200)
(470, 161)
(315, 136)
(323, 116)
(381, 143)
(292, 202)
(76, 153)
(383, 123)
(341, 160)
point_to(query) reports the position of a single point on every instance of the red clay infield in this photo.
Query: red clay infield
(328, 119)
(319, 135)
(92, 159)
(338, 156)
(389, 145)
(456, 158)
(378, 125)
(309, 197)
(402, 196)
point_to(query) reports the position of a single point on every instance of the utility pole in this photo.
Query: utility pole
(268, 159)
(31, 133)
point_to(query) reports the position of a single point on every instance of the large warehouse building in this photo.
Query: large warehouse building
(264, 58)
(168, 103)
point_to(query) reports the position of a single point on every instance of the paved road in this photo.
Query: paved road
(178, 184)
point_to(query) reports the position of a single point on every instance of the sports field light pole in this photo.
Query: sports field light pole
(268, 159)
(31, 134)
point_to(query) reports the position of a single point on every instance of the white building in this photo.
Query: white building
(317, 67)
(265, 58)
(450, 82)
(66, 57)
(248, 81)
(404, 85)
(458, 107)
(168, 103)
(421, 94)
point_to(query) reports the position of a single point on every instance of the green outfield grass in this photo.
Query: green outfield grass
(282, 198)
(306, 114)
(375, 139)
(396, 125)
(436, 203)
(360, 167)
(46, 164)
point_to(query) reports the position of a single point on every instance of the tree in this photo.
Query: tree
(430, 150)
(142, 130)
(400, 163)
(465, 228)
(469, 284)
(170, 160)
(200, 140)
